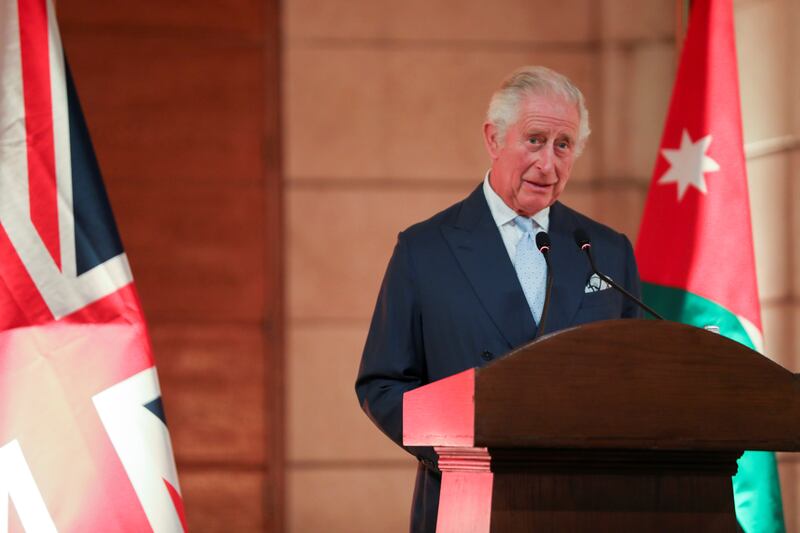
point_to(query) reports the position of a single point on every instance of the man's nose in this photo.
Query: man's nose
(546, 158)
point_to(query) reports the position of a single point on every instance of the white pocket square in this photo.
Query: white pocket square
(595, 284)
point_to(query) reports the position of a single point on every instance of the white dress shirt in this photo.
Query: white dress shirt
(504, 219)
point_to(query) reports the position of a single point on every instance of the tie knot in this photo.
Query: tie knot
(524, 223)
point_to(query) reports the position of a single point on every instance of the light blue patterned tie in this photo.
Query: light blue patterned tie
(531, 267)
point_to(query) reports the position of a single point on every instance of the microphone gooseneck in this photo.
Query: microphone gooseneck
(543, 244)
(585, 244)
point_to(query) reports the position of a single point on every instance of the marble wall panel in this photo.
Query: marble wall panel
(340, 240)
(166, 109)
(195, 251)
(619, 205)
(637, 84)
(792, 354)
(233, 17)
(794, 220)
(762, 32)
(780, 340)
(626, 20)
(305, 20)
(350, 500)
(221, 501)
(403, 113)
(325, 422)
(464, 22)
(651, 82)
(770, 207)
(568, 21)
(451, 91)
(212, 380)
(336, 107)
(793, 14)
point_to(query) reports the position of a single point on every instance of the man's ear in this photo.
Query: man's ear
(491, 139)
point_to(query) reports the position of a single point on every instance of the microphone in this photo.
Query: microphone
(543, 244)
(585, 244)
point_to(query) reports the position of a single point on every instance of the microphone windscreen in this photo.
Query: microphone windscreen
(543, 241)
(581, 238)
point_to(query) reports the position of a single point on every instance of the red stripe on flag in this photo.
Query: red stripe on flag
(21, 304)
(34, 47)
(178, 502)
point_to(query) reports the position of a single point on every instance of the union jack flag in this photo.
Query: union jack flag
(83, 441)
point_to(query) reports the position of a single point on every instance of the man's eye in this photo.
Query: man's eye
(563, 145)
(535, 140)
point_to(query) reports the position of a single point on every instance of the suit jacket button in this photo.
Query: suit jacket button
(487, 355)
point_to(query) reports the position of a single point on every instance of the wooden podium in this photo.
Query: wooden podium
(622, 425)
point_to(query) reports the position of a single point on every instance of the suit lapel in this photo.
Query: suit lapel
(570, 269)
(479, 250)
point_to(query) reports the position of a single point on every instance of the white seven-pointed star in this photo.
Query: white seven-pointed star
(688, 164)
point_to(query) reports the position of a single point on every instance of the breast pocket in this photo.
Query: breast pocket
(602, 305)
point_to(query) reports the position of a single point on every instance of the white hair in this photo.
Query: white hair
(539, 81)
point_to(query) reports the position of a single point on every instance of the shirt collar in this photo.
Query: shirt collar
(503, 214)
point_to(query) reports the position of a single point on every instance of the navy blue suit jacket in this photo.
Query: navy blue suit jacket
(450, 300)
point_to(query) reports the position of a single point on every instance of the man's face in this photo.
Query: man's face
(532, 164)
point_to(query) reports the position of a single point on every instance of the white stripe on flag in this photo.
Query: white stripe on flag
(63, 162)
(756, 337)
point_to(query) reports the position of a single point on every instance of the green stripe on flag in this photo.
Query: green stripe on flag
(757, 493)
(688, 308)
(756, 486)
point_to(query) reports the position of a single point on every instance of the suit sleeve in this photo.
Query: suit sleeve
(632, 283)
(393, 361)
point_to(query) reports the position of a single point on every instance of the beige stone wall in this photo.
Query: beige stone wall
(383, 105)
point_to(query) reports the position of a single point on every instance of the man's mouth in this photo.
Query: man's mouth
(539, 186)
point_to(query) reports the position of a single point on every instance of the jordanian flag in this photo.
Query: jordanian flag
(695, 247)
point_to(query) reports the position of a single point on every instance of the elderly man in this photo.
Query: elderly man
(468, 285)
